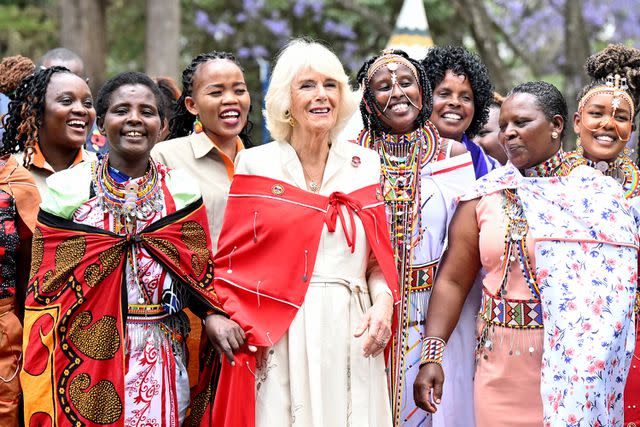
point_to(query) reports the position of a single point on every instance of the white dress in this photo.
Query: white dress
(441, 183)
(315, 375)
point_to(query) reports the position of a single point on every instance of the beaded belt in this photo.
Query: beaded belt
(511, 313)
(146, 313)
(422, 276)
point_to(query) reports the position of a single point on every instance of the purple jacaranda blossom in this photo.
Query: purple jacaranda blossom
(279, 27)
(301, 6)
(220, 30)
(243, 52)
(257, 51)
(339, 29)
(252, 7)
(241, 18)
(201, 19)
(316, 6)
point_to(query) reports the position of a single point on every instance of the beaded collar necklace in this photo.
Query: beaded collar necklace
(554, 166)
(622, 169)
(128, 201)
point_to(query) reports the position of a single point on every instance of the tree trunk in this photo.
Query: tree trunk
(478, 21)
(162, 49)
(83, 30)
(576, 41)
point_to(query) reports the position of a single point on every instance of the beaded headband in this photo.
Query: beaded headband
(614, 85)
(390, 59)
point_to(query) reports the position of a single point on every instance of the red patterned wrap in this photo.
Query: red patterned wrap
(74, 362)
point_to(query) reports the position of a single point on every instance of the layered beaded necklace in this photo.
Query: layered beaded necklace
(402, 158)
(622, 169)
(129, 201)
(515, 239)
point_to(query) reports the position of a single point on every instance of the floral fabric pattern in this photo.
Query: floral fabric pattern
(586, 265)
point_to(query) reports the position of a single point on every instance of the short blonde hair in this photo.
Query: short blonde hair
(297, 56)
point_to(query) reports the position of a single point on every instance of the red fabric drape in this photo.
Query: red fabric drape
(266, 254)
(74, 344)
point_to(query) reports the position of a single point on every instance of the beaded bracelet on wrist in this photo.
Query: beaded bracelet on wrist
(432, 350)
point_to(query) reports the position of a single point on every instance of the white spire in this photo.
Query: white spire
(411, 32)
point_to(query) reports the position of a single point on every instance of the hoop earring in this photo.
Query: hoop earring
(197, 125)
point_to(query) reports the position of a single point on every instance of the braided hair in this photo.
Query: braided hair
(615, 59)
(181, 123)
(26, 112)
(548, 98)
(371, 119)
(440, 59)
(13, 69)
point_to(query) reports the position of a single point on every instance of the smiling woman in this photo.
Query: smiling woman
(49, 120)
(312, 200)
(134, 239)
(462, 92)
(607, 108)
(606, 114)
(209, 127)
(423, 174)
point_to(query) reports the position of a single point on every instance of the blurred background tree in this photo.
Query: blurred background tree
(518, 39)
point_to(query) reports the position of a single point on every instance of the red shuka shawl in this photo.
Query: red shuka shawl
(74, 342)
(274, 228)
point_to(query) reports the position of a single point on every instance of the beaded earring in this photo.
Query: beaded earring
(197, 125)
(579, 149)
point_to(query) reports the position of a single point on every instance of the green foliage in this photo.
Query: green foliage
(27, 28)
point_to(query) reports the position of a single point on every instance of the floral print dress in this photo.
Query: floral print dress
(586, 254)
(586, 262)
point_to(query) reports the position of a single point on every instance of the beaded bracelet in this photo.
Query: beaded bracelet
(432, 350)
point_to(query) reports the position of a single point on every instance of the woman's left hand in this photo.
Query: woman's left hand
(377, 320)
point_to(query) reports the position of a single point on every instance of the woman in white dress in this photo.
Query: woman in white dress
(303, 264)
(422, 174)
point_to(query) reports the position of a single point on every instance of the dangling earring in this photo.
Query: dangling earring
(289, 118)
(197, 125)
(579, 149)
(554, 135)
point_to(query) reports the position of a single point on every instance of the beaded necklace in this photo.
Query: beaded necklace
(515, 238)
(556, 165)
(622, 169)
(515, 245)
(127, 202)
(402, 159)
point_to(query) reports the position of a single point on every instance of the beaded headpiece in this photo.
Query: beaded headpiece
(391, 61)
(614, 85)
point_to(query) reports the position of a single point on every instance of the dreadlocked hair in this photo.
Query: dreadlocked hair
(440, 59)
(369, 106)
(13, 69)
(614, 59)
(549, 100)
(181, 124)
(26, 111)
